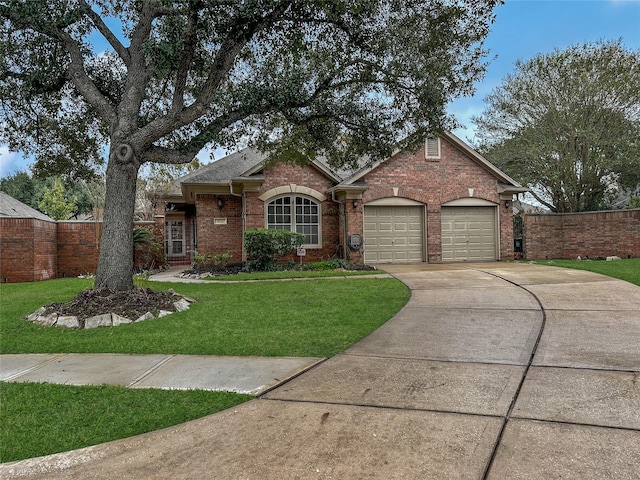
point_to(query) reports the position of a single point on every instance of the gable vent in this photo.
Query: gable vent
(432, 148)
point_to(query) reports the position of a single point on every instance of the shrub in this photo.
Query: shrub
(147, 250)
(208, 261)
(332, 264)
(265, 246)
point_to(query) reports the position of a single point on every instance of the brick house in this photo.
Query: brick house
(442, 203)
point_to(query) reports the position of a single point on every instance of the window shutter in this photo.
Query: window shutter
(432, 148)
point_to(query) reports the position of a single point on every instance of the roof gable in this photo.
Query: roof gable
(502, 177)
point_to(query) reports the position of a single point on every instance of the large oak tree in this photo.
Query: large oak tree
(159, 80)
(567, 124)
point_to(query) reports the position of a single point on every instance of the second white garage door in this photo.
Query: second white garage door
(393, 234)
(468, 234)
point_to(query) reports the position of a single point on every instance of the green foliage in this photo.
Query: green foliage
(265, 246)
(205, 261)
(314, 72)
(566, 124)
(148, 250)
(22, 187)
(142, 236)
(41, 419)
(54, 202)
(332, 264)
(634, 201)
(30, 190)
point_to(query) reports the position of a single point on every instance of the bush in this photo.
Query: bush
(148, 252)
(208, 261)
(332, 264)
(266, 246)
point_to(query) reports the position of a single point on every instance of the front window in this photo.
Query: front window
(296, 214)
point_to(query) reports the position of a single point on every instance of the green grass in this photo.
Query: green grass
(316, 318)
(63, 417)
(628, 269)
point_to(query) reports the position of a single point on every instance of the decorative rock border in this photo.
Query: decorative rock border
(39, 317)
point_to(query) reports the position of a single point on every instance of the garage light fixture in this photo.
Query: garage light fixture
(507, 204)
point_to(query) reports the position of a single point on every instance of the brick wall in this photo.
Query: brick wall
(27, 250)
(588, 235)
(33, 250)
(220, 229)
(77, 248)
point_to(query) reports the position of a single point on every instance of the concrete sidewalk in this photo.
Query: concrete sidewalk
(252, 375)
(491, 371)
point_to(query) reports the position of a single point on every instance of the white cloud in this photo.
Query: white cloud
(11, 162)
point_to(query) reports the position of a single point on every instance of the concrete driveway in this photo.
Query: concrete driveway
(491, 371)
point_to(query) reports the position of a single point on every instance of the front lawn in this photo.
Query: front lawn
(628, 269)
(317, 318)
(40, 419)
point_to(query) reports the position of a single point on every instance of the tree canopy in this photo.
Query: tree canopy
(567, 125)
(158, 81)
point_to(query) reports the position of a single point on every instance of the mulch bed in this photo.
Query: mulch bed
(130, 304)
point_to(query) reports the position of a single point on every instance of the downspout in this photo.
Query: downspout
(244, 217)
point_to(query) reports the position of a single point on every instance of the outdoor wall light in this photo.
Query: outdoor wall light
(507, 204)
(220, 203)
(355, 203)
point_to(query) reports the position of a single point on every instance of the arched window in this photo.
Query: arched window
(297, 214)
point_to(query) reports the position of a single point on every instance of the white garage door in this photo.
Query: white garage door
(468, 234)
(393, 234)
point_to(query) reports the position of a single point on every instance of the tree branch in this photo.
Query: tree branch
(106, 32)
(219, 70)
(188, 49)
(82, 81)
(167, 156)
(137, 71)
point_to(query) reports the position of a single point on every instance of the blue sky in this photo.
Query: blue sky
(523, 29)
(526, 28)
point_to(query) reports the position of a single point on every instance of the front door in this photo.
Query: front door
(175, 238)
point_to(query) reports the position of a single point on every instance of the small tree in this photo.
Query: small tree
(55, 204)
(265, 247)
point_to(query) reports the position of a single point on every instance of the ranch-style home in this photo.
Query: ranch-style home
(442, 203)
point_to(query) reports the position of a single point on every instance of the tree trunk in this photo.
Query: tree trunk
(115, 263)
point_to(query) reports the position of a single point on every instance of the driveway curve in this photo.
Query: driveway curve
(491, 371)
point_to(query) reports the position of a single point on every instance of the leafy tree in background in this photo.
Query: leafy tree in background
(30, 190)
(567, 125)
(298, 78)
(54, 203)
(23, 187)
